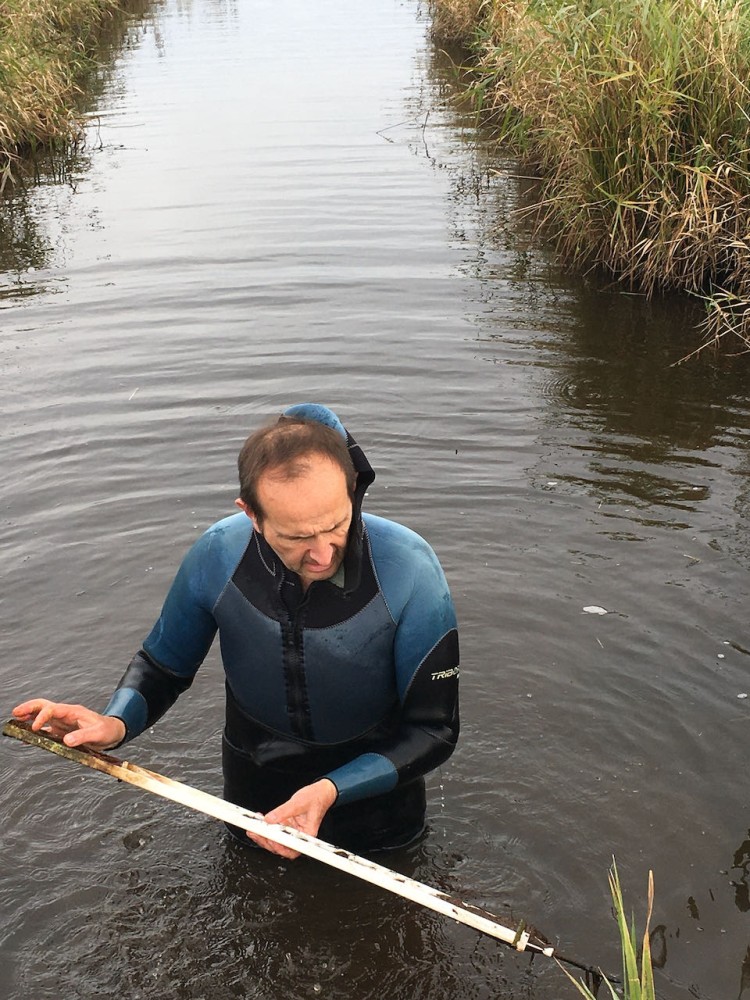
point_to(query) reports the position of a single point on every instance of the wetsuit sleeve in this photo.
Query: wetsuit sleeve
(175, 647)
(426, 664)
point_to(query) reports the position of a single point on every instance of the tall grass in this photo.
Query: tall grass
(637, 978)
(46, 49)
(637, 114)
(455, 20)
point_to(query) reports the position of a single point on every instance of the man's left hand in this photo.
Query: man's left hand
(304, 811)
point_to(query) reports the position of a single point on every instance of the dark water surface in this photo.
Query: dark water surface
(282, 202)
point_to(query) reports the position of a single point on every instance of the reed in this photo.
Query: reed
(635, 112)
(455, 21)
(638, 977)
(47, 48)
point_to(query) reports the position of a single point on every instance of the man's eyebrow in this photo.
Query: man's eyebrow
(302, 538)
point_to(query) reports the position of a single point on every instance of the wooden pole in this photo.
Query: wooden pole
(520, 938)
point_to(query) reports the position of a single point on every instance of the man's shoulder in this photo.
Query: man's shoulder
(393, 538)
(211, 561)
(233, 526)
(399, 553)
(407, 568)
(225, 538)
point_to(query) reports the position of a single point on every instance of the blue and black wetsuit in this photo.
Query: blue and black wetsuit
(355, 679)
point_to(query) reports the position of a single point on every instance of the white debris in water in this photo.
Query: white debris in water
(720, 656)
(742, 695)
(594, 609)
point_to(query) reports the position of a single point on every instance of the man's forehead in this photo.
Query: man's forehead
(305, 505)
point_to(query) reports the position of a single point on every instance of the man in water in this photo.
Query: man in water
(338, 638)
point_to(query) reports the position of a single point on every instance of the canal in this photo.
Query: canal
(281, 202)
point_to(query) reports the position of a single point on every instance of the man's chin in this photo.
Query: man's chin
(319, 572)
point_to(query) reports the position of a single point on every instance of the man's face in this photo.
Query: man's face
(306, 520)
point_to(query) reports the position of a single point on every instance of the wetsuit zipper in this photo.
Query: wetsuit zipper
(298, 705)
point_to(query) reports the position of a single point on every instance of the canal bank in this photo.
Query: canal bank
(634, 116)
(50, 53)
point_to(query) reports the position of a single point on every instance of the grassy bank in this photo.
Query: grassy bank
(636, 113)
(47, 49)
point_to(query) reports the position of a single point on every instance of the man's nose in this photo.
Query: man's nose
(322, 552)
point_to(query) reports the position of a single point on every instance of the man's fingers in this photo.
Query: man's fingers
(76, 725)
(273, 847)
(92, 734)
(277, 817)
(45, 714)
(28, 708)
(101, 733)
(43, 710)
(62, 719)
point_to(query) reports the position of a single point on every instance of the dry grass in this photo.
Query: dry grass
(455, 21)
(635, 111)
(46, 50)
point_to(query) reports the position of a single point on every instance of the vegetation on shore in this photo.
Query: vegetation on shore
(47, 49)
(637, 115)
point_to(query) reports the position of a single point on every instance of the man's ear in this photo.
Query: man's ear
(239, 502)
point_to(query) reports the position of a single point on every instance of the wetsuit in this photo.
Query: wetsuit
(355, 679)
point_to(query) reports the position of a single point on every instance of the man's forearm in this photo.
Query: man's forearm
(145, 692)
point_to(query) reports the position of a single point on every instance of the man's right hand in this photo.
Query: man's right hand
(76, 725)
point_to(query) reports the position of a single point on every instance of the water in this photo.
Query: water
(282, 202)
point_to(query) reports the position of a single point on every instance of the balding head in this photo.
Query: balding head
(284, 451)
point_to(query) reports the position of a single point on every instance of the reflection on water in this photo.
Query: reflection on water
(21, 247)
(273, 931)
(745, 977)
(27, 244)
(281, 202)
(740, 882)
(34, 203)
